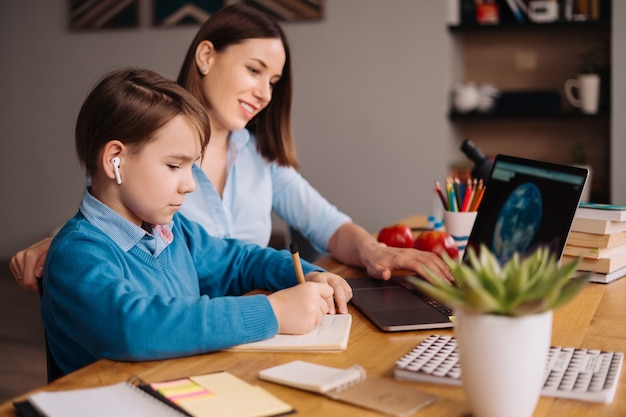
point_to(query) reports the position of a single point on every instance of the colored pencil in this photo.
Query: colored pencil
(439, 192)
(469, 196)
(479, 197)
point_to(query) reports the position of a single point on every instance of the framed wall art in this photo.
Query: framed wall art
(103, 14)
(169, 13)
(87, 15)
(290, 9)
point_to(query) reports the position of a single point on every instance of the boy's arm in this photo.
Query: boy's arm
(232, 267)
(110, 304)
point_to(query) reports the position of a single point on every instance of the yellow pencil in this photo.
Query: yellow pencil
(297, 264)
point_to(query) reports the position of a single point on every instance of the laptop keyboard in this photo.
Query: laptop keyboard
(442, 308)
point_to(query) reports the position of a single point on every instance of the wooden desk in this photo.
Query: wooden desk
(595, 319)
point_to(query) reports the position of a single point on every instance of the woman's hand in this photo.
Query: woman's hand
(353, 245)
(381, 260)
(27, 265)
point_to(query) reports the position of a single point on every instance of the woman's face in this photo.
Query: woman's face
(240, 80)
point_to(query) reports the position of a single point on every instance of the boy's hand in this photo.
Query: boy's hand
(342, 290)
(302, 307)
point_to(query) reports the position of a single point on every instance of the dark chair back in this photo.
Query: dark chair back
(52, 368)
(306, 250)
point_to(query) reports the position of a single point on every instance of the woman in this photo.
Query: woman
(239, 67)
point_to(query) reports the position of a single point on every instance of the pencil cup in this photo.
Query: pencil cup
(459, 225)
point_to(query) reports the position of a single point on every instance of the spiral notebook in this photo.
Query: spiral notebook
(216, 394)
(121, 399)
(574, 373)
(351, 386)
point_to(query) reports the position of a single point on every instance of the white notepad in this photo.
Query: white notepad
(351, 386)
(313, 377)
(574, 373)
(330, 336)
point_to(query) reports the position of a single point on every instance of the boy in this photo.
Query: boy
(128, 278)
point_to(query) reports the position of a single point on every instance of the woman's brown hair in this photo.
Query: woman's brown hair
(233, 25)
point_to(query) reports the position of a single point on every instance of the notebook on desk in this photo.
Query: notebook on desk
(526, 204)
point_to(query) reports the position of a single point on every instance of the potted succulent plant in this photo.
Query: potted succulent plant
(593, 60)
(503, 324)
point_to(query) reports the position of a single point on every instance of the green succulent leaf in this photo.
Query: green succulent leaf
(569, 291)
(445, 293)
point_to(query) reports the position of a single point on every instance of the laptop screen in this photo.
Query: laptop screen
(527, 204)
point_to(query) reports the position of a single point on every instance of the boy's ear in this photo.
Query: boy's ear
(111, 159)
(204, 56)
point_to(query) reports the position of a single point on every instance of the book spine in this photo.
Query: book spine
(515, 9)
(602, 265)
(453, 15)
(569, 10)
(600, 227)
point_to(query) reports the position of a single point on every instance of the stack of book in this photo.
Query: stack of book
(598, 236)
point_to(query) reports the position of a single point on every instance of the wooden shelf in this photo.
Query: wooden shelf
(571, 115)
(514, 26)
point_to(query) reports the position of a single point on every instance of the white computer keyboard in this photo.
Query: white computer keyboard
(574, 373)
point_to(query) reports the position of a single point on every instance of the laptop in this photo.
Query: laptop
(527, 203)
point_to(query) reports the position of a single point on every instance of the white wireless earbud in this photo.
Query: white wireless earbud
(116, 168)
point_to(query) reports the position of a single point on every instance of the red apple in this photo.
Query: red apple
(436, 241)
(397, 236)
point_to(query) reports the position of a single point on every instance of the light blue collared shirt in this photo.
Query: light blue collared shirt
(122, 231)
(254, 187)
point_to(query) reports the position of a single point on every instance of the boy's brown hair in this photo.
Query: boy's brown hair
(130, 105)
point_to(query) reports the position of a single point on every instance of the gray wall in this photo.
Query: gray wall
(369, 109)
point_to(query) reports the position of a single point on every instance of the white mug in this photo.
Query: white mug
(588, 91)
(466, 97)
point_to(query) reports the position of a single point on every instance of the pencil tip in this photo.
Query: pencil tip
(293, 247)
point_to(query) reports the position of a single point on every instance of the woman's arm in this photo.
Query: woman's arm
(27, 265)
(304, 208)
(353, 245)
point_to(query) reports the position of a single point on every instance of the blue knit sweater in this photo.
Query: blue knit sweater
(101, 301)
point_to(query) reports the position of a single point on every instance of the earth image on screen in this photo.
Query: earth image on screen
(517, 222)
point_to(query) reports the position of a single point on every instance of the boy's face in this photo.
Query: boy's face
(156, 178)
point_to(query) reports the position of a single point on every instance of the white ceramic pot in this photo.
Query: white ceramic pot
(503, 361)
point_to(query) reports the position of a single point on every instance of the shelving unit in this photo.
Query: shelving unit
(569, 114)
(530, 26)
(532, 56)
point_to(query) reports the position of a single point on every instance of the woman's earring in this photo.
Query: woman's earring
(203, 69)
